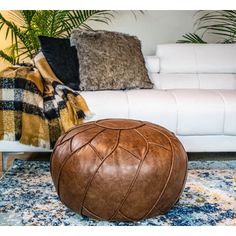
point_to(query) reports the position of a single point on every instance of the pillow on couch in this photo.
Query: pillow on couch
(110, 60)
(62, 58)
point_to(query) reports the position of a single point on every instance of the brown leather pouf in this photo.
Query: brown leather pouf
(119, 169)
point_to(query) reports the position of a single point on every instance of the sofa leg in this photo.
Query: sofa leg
(5, 156)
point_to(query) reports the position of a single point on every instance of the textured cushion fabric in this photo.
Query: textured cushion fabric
(197, 58)
(110, 60)
(62, 58)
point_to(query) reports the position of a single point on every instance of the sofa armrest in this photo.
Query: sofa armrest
(152, 64)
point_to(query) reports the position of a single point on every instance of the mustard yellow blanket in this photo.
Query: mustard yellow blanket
(35, 106)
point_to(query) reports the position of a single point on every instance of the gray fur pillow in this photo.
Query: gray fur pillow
(110, 60)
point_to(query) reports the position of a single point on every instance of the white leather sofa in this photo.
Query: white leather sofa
(194, 96)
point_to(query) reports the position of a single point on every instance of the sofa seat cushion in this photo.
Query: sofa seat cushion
(205, 112)
(107, 104)
(184, 112)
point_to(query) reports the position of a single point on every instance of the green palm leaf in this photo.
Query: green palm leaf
(80, 19)
(221, 23)
(191, 38)
(7, 57)
(24, 27)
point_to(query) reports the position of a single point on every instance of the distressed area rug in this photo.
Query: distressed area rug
(28, 197)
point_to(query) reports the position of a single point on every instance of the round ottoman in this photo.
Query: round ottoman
(118, 169)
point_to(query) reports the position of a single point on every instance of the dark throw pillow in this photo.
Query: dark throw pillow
(62, 58)
(110, 60)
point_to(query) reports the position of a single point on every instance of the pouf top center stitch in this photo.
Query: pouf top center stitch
(119, 124)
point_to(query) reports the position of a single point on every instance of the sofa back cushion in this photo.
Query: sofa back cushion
(197, 58)
(193, 81)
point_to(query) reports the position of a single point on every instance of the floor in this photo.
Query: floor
(28, 197)
(192, 156)
(26, 156)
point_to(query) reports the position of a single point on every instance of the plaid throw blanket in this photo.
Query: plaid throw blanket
(35, 107)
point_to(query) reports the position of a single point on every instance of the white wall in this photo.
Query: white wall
(152, 27)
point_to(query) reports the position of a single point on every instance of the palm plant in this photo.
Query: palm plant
(191, 38)
(221, 23)
(24, 27)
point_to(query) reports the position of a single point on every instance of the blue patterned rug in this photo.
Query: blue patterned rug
(28, 197)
